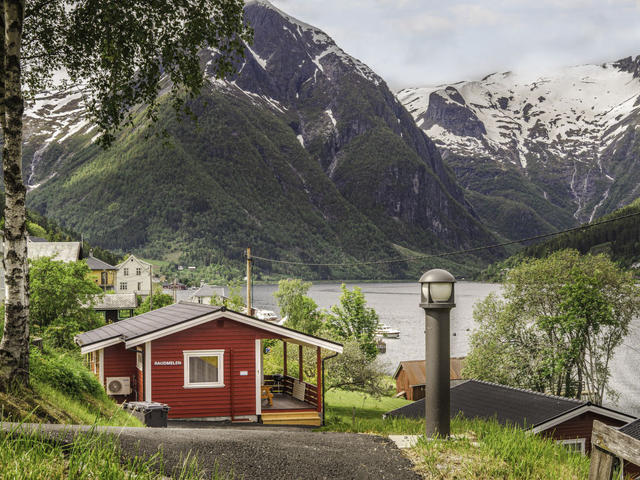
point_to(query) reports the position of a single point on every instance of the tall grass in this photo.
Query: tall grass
(28, 455)
(482, 449)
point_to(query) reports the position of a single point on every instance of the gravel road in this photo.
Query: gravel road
(262, 453)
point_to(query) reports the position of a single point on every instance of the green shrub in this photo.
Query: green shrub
(65, 372)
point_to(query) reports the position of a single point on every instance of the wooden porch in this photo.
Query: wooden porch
(287, 409)
(291, 401)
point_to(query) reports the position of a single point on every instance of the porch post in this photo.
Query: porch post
(300, 363)
(319, 386)
(284, 357)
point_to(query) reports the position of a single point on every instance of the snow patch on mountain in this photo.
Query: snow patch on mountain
(575, 111)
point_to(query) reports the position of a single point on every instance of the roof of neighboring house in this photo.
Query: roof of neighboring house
(632, 429)
(64, 251)
(476, 399)
(182, 316)
(180, 295)
(415, 370)
(117, 301)
(37, 239)
(97, 264)
(129, 259)
(209, 291)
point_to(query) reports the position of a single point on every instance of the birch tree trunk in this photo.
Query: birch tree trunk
(14, 347)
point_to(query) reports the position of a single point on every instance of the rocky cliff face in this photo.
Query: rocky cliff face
(564, 143)
(334, 100)
(304, 153)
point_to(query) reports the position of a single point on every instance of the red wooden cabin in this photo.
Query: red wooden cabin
(205, 362)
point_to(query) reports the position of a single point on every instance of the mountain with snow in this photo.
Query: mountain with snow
(304, 154)
(553, 150)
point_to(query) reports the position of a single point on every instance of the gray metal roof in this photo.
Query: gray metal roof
(632, 429)
(508, 405)
(146, 323)
(170, 316)
(64, 251)
(117, 301)
(209, 291)
(97, 264)
(181, 295)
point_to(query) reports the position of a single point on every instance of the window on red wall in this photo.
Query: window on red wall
(203, 368)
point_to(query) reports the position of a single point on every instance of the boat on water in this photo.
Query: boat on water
(387, 332)
(267, 315)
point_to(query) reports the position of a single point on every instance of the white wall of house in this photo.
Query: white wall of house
(133, 277)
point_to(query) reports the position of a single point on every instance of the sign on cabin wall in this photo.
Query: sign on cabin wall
(169, 363)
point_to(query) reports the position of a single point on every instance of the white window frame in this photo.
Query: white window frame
(123, 285)
(203, 353)
(125, 271)
(575, 441)
(138, 271)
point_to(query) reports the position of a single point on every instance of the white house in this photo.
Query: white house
(205, 293)
(134, 276)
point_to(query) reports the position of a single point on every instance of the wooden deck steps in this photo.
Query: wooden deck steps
(292, 418)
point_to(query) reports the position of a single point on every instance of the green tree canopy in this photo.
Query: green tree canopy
(119, 55)
(301, 311)
(557, 327)
(159, 300)
(234, 301)
(352, 319)
(62, 296)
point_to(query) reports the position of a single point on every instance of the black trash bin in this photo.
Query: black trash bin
(152, 414)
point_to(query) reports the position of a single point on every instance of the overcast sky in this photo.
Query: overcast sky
(429, 42)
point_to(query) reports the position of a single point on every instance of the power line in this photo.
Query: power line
(446, 254)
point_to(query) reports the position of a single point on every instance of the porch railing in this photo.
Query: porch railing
(286, 387)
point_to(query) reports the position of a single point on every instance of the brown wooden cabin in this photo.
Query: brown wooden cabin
(410, 377)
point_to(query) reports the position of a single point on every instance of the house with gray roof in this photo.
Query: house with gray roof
(568, 421)
(103, 274)
(116, 306)
(633, 430)
(205, 293)
(205, 362)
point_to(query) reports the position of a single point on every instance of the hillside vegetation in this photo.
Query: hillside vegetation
(618, 239)
(62, 390)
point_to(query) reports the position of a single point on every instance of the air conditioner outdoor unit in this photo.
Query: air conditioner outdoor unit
(118, 385)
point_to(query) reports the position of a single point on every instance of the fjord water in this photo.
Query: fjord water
(397, 306)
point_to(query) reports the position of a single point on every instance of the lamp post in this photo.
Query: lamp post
(437, 298)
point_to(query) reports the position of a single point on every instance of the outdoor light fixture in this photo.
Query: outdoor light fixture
(437, 289)
(437, 298)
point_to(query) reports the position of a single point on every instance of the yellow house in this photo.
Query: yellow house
(103, 274)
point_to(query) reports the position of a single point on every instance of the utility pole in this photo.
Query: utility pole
(249, 300)
(150, 287)
(175, 286)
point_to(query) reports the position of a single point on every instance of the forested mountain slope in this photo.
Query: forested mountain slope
(617, 236)
(304, 155)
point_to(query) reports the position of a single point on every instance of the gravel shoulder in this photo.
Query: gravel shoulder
(259, 452)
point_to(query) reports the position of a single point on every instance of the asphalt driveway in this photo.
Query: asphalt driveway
(261, 452)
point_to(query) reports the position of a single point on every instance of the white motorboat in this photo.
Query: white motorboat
(387, 332)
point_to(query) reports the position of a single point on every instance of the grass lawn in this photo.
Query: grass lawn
(477, 450)
(357, 412)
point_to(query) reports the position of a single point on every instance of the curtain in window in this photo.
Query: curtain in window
(203, 369)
